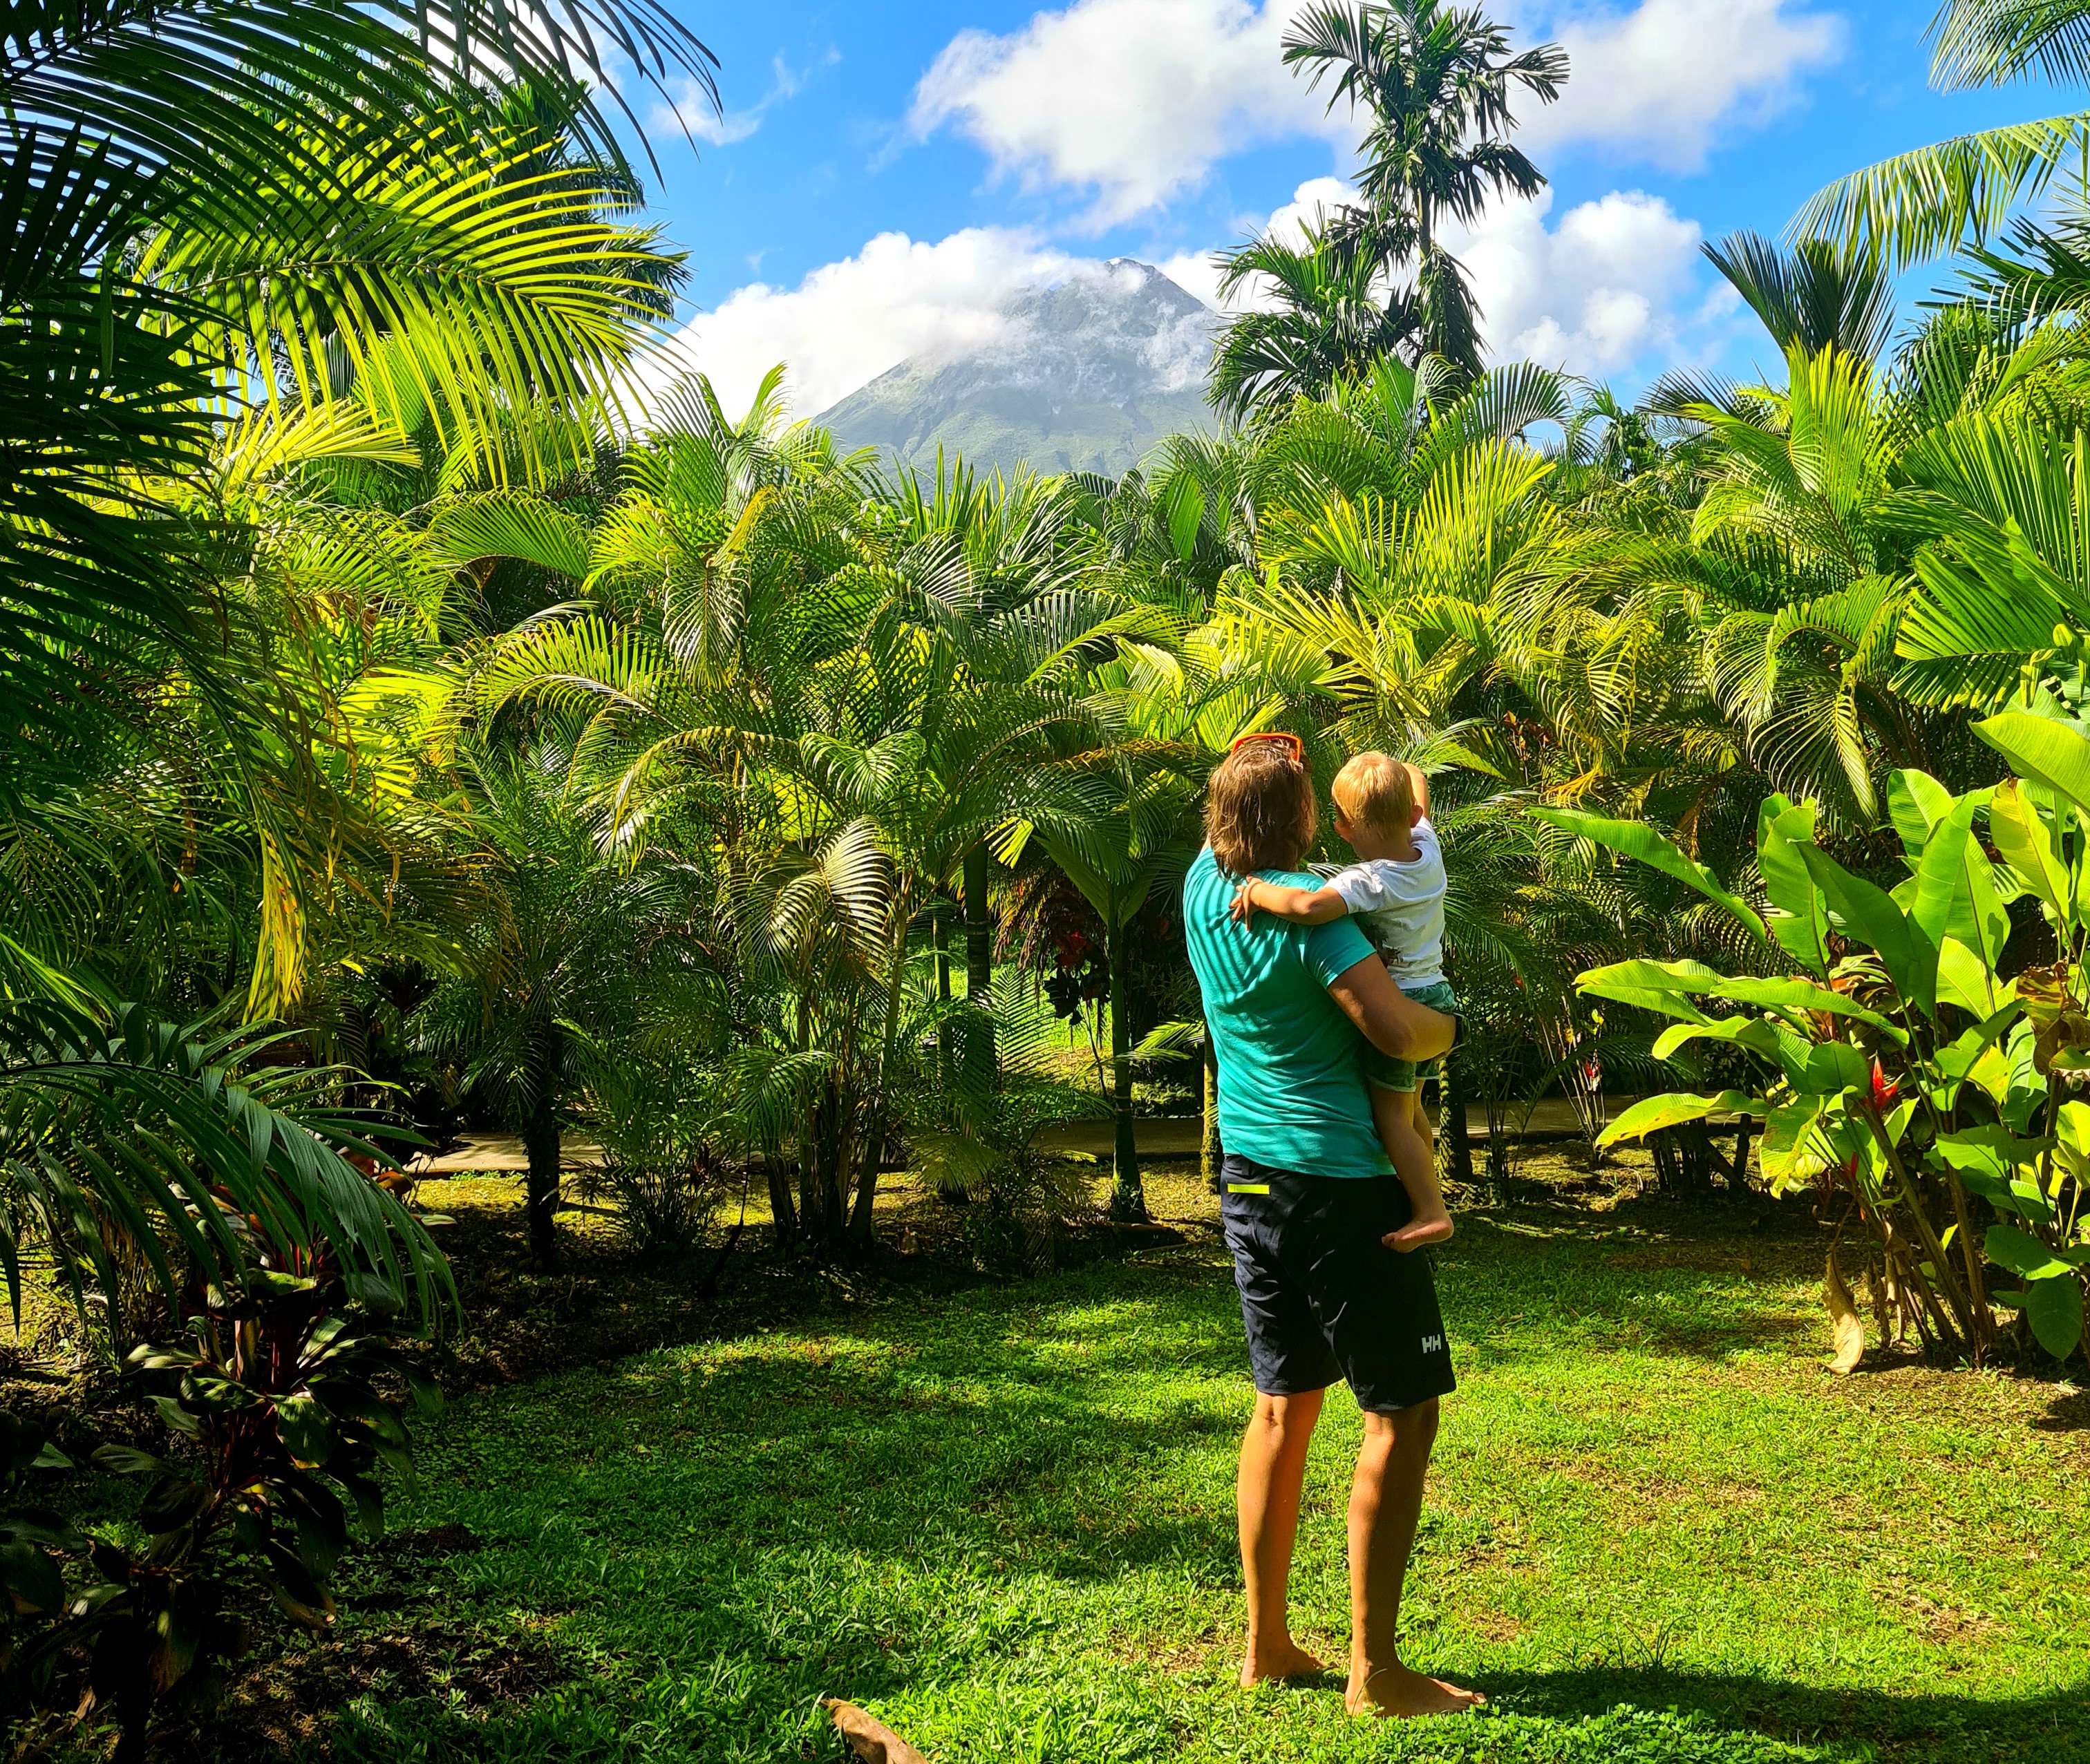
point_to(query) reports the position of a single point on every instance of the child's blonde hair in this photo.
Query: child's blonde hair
(1373, 791)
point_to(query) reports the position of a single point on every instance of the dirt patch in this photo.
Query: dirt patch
(1206, 1655)
(452, 1539)
(1946, 1627)
(2069, 1412)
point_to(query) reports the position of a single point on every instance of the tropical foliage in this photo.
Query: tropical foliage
(424, 709)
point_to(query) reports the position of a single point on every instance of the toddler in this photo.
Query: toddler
(1396, 890)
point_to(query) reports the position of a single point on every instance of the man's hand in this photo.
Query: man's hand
(1243, 908)
(1395, 1023)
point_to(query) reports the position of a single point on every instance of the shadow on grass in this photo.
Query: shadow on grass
(1927, 1725)
(2069, 1414)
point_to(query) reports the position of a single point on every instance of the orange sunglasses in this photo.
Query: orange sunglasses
(1292, 741)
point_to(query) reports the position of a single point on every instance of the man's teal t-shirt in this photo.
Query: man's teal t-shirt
(1292, 1085)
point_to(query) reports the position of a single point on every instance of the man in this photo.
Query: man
(1310, 1203)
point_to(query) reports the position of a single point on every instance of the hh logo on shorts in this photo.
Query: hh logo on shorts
(1433, 1344)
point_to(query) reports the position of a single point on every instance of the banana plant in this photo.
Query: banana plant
(1896, 1064)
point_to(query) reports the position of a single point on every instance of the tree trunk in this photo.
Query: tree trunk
(808, 1129)
(1128, 1198)
(1461, 1137)
(783, 1215)
(834, 1167)
(1738, 1176)
(979, 971)
(878, 1115)
(540, 1142)
(940, 936)
(1212, 1155)
(863, 1210)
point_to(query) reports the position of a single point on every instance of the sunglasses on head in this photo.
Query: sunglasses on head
(1298, 747)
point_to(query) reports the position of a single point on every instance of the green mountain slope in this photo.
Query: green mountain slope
(1084, 376)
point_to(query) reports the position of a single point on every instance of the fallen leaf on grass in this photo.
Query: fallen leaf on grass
(1843, 1318)
(869, 1737)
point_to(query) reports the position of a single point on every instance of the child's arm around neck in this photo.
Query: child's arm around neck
(1280, 900)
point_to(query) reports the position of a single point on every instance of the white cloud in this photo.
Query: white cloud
(1615, 279)
(692, 110)
(1198, 273)
(1133, 101)
(1613, 282)
(848, 322)
(1663, 81)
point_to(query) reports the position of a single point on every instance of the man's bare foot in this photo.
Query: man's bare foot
(1276, 1660)
(1399, 1691)
(1433, 1228)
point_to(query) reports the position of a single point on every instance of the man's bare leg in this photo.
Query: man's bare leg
(1386, 1502)
(1404, 1131)
(1273, 1466)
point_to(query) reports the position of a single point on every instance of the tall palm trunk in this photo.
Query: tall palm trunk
(940, 926)
(1211, 1153)
(1453, 1091)
(541, 1143)
(1128, 1197)
(979, 971)
(879, 1112)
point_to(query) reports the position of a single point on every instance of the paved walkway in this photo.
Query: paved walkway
(486, 1152)
(1554, 1118)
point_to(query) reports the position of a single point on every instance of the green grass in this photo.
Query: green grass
(1656, 1530)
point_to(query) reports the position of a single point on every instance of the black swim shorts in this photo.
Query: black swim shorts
(1322, 1297)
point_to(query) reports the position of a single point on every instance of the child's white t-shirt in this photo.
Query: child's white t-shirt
(1400, 907)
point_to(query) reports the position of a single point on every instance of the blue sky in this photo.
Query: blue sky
(887, 174)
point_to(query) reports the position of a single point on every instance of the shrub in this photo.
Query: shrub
(1018, 1199)
(283, 1404)
(1898, 1066)
(663, 1170)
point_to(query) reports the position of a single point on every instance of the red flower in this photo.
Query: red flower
(1884, 1090)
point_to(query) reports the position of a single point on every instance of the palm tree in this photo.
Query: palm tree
(235, 231)
(123, 1134)
(1439, 84)
(210, 194)
(579, 950)
(1965, 190)
(831, 699)
(1328, 325)
(1818, 296)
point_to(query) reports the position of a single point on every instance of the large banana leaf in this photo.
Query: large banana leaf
(1801, 922)
(2021, 837)
(1869, 914)
(1636, 839)
(1651, 1115)
(2044, 748)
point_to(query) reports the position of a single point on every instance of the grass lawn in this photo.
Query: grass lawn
(1002, 1519)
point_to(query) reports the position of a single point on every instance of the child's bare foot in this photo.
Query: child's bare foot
(1400, 1691)
(1277, 1660)
(1431, 1228)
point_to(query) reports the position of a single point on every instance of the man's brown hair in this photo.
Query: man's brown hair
(1374, 790)
(1259, 811)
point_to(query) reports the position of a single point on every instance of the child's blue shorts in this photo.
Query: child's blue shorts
(1386, 1073)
